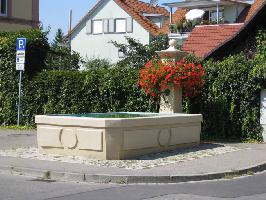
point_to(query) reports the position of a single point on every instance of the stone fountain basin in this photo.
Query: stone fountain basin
(116, 138)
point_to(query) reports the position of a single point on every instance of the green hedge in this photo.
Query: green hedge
(230, 101)
(102, 90)
(37, 47)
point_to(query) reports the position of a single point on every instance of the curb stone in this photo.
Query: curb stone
(126, 179)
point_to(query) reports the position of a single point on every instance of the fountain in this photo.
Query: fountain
(172, 103)
(115, 136)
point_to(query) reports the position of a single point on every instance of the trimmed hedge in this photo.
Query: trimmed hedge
(37, 47)
(230, 101)
(102, 90)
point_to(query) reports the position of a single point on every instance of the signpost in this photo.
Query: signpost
(20, 66)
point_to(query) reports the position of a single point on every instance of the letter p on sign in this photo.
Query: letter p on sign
(21, 44)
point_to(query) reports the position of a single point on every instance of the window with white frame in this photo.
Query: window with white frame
(121, 54)
(120, 25)
(97, 26)
(211, 15)
(3, 7)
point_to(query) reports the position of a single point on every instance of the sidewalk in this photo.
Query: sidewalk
(249, 159)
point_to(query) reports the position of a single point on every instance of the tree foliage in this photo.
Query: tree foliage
(60, 56)
(138, 54)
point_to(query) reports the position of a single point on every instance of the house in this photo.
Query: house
(211, 34)
(18, 14)
(252, 21)
(112, 20)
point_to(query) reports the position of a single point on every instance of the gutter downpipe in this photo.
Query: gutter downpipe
(70, 28)
(171, 15)
(217, 13)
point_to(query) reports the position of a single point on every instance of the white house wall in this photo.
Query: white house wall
(231, 12)
(98, 45)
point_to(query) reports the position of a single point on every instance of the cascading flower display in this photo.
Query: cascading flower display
(157, 77)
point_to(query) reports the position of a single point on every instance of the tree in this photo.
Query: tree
(60, 56)
(59, 38)
(138, 54)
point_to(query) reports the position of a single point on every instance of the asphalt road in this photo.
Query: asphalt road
(25, 188)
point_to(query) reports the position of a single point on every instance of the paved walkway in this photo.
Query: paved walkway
(251, 158)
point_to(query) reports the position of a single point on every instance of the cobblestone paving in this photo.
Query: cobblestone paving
(142, 162)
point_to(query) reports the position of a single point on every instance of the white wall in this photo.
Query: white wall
(232, 12)
(98, 45)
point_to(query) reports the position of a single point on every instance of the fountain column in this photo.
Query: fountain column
(171, 103)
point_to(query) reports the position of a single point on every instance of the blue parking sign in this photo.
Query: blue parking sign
(21, 44)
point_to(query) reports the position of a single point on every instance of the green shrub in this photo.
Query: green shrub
(102, 90)
(230, 101)
(37, 47)
(138, 54)
(97, 63)
(60, 56)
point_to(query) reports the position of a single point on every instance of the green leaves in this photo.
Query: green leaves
(230, 100)
(138, 54)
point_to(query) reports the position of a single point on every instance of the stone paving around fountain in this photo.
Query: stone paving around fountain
(19, 155)
(142, 162)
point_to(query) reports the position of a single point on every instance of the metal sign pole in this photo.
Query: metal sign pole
(19, 96)
(20, 65)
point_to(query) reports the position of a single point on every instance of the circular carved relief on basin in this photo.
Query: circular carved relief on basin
(68, 138)
(164, 137)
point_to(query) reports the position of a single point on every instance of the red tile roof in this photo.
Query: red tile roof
(254, 18)
(135, 9)
(204, 39)
(139, 6)
(248, 12)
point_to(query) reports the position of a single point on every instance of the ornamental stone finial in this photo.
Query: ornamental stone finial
(172, 43)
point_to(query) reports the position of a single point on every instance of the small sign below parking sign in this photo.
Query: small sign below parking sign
(20, 67)
(21, 53)
(20, 60)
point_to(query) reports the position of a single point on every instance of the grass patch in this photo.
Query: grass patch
(250, 173)
(231, 176)
(15, 127)
(250, 141)
(46, 175)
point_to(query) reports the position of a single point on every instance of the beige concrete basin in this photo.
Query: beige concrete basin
(116, 138)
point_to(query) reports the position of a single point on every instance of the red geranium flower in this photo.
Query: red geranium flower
(157, 76)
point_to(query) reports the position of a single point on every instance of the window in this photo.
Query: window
(97, 26)
(121, 54)
(213, 16)
(3, 7)
(158, 24)
(120, 25)
(108, 26)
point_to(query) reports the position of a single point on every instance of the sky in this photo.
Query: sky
(55, 13)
